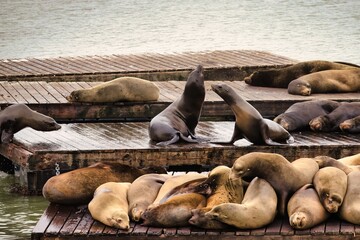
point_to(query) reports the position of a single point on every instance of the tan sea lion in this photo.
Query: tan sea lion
(18, 116)
(332, 120)
(78, 186)
(305, 209)
(180, 118)
(295, 118)
(174, 212)
(325, 161)
(224, 190)
(351, 160)
(284, 177)
(249, 123)
(120, 89)
(351, 125)
(350, 208)
(330, 183)
(329, 81)
(257, 209)
(281, 77)
(110, 206)
(143, 191)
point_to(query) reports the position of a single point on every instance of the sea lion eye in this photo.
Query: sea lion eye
(298, 85)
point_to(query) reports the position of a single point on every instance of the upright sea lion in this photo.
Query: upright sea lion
(295, 118)
(119, 89)
(285, 177)
(305, 209)
(351, 160)
(331, 184)
(143, 192)
(249, 123)
(281, 77)
(331, 121)
(18, 116)
(257, 209)
(351, 125)
(180, 118)
(329, 81)
(110, 206)
(78, 186)
(350, 208)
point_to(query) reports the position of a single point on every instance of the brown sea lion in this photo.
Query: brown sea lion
(119, 89)
(351, 125)
(325, 161)
(350, 208)
(257, 209)
(281, 77)
(224, 189)
(110, 206)
(249, 123)
(174, 212)
(330, 183)
(329, 81)
(78, 186)
(180, 118)
(331, 121)
(295, 118)
(143, 191)
(18, 116)
(305, 209)
(285, 177)
(351, 160)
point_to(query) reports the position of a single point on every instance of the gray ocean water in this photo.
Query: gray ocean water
(303, 30)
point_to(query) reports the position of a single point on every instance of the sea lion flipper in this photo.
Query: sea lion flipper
(171, 141)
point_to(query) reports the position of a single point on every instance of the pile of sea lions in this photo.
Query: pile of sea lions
(250, 194)
(309, 77)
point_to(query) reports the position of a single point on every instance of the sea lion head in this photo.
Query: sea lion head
(238, 169)
(332, 202)
(225, 92)
(346, 125)
(74, 96)
(321, 123)
(299, 220)
(136, 214)
(119, 219)
(45, 123)
(299, 87)
(196, 78)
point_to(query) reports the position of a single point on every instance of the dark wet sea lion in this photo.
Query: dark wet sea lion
(298, 115)
(329, 81)
(78, 186)
(351, 125)
(350, 208)
(119, 89)
(331, 122)
(330, 183)
(110, 206)
(285, 177)
(249, 123)
(180, 118)
(18, 116)
(305, 209)
(281, 77)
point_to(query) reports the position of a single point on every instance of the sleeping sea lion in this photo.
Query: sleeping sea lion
(351, 125)
(351, 160)
(329, 81)
(295, 118)
(110, 206)
(350, 208)
(284, 177)
(180, 118)
(281, 77)
(325, 161)
(249, 123)
(18, 116)
(119, 89)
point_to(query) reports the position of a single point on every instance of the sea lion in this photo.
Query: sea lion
(119, 89)
(143, 192)
(281, 77)
(331, 121)
(305, 209)
(330, 183)
(180, 118)
(326, 161)
(295, 118)
(350, 208)
(257, 209)
(18, 116)
(110, 206)
(351, 160)
(351, 125)
(284, 177)
(328, 81)
(174, 212)
(249, 123)
(224, 190)
(78, 186)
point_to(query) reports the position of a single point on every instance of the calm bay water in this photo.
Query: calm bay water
(303, 30)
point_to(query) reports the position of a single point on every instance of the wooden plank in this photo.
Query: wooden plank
(274, 227)
(44, 221)
(318, 230)
(59, 220)
(24, 92)
(347, 228)
(332, 226)
(71, 223)
(33, 92)
(139, 230)
(84, 225)
(96, 228)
